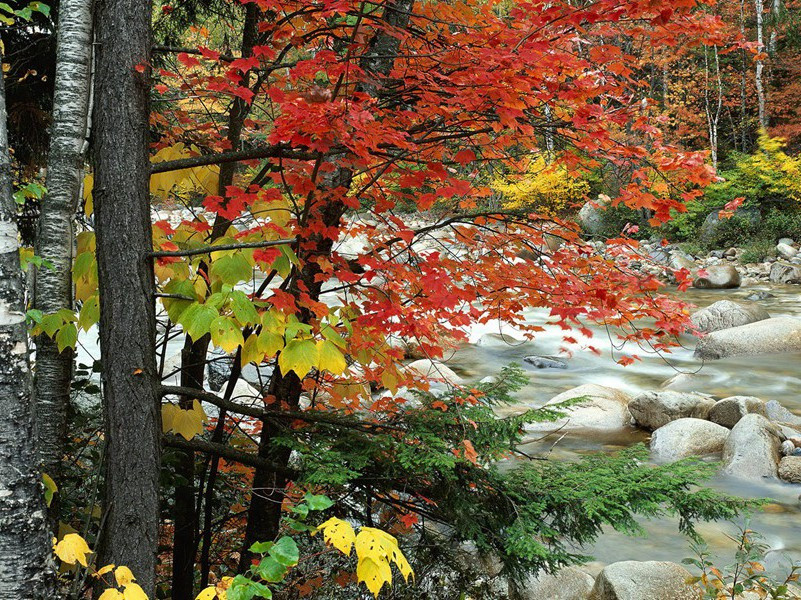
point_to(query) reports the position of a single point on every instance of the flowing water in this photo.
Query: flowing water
(770, 377)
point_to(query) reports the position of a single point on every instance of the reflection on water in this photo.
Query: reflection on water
(771, 377)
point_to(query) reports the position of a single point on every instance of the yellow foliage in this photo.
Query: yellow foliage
(339, 534)
(186, 423)
(199, 179)
(123, 576)
(111, 594)
(72, 548)
(544, 188)
(770, 167)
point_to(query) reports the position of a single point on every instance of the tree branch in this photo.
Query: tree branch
(226, 452)
(217, 158)
(220, 248)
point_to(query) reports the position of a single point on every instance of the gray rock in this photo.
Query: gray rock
(546, 362)
(730, 253)
(591, 217)
(651, 580)
(601, 409)
(435, 371)
(729, 411)
(569, 583)
(785, 273)
(786, 251)
(786, 240)
(681, 260)
(687, 437)
(682, 382)
(752, 450)
(653, 410)
(760, 295)
(718, 277)
(787, 448)
(790, 469)
(769, 336)
(712, 223)
(716, 254)
(497, 340)
(778, 413)
(725, 314)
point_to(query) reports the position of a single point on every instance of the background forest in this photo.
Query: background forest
(241, 239)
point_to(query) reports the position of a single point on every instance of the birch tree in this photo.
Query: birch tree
(760, 64)
(24, 536)
(713, 107)
(55, 239)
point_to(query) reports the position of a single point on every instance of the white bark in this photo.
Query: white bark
(55, 239)
(760, 64)
(713, 108)
(776, 9)
(24, 537)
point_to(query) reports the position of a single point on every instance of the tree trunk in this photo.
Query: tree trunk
(743, 84)
(264, 512)
(776, 10)
(760, 64)
(24, 533)
(131, 398)
(711, 108)
(55, 239)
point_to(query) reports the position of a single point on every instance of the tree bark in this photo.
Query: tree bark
(131, 399)
(760, 64)
(55, 239)
(24, 533)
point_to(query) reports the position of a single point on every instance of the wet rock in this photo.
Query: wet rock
(787, 448)
(790, 469)
(496, 340)
(718, 277)
(752, 450)
(769, 336)
(435, 371)
(652, 410)
(729, 411)
(687, 437)
(786, 251)
(760, 295)
(651, 580)
(727, 313)
(681, 260)
(778, 413)
(601, 408)
(569, 583)
(546, 362)
(782, 272)
(682, 382)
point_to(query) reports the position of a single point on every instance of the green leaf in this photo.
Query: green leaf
(318, 502)
(84, 263)
(176, 306)
(243, 588)
(261, 547)
(225, 334)
(51, 323)
(302, 510)
(35, 315)
(231, 268)
(298, 356)
(244, 310)
(269, 343)
(67, 337)
(285, 551)
(270, 570)
(197, 318)
(90, 313)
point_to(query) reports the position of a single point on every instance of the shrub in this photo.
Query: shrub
(544, 188)
(758, 251)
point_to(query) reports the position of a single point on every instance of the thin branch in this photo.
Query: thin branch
(226, 452)
(217, 158)
(222, 247)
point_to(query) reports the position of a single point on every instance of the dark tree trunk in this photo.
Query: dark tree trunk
(125, 273)
(264, 512)
(56, 235)
(24, 533)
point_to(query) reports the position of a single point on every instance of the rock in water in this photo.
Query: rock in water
(769, 336)
(546, 362)
(760, 295)
(725, 314)
(778, 413)
(687, 437)
(600, 409)
(786, 251)
(729, 411)
(569, 583)
(781, 272)
(651, 580)
(435, 371)
(790, 469)
(752, 450)
(718, 277)
(653, 410)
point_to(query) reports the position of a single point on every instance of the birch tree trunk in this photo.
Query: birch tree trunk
(24, 534)
(760, 64)
(776, 9)
(127, 287)
(743, 85)
(55, 239)
(713, 109)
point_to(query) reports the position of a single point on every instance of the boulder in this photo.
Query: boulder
(760, 295)
(769, 336)
(718, 277)
(776, 412)
(653, 410)
(681, 260)
(782, 272)
(729, 411)
(651, 580)
(435, 371)
(725, 314)
(687, 437)
(546, 362)
(790, 469)
(786, 251)
(569, 583)
(601, 408)
(591, 217)
(498, 340)
(752, 450)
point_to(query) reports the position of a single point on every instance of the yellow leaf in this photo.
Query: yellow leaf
(330, 358)
(339, 534)
(298, 356)
(270, 343)
(111, 594)
(208, 594)
(374, 573)
(250, 351)
(50, 488)
(104, 570)
(132, 591)
(73, 548)
(123, 576)
(186, 423)
(379, 545)
(88, 200)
